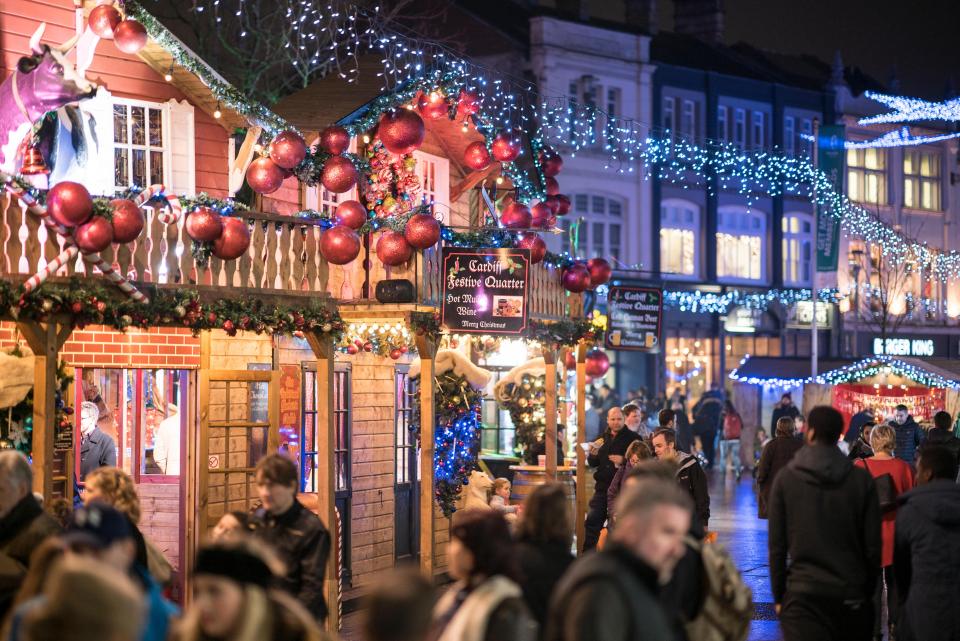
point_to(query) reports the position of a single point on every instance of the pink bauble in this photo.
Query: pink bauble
(476, 156)
(288, 149)
(103, 20)
(335, 140)
(401, 131)
(127, 219)
(204, 225)
(339, 174)
(422, 231)
(576, 278)
(351, 213)
(234, 240)
(468, 103)
(130, 36)
(339, 245)
(94, 236)
(516, 216)
(433, 105)
(540, 215)
(597, 363)
(393, 249)
(506, 146)
(264, 176)
(600, 271)
(533, 242)
(69, 203)
(563, 202)
(553, 187)
(552, 164)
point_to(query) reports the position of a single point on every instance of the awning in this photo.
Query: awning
(782, 371)
(770, 371)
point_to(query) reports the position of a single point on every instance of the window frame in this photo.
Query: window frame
(688, 120)
(613, 245)
(668, 118)
(914, 181)
(758, 130)
(681, 225)
(725, 229)
(740, 127)
(164, 148)
(860, 173)
(801, 238)
(723, 134)
(789, 136)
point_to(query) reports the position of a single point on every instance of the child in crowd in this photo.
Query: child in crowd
(500, 501)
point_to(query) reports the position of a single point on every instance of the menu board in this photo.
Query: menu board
(485, 290)
(634, 316)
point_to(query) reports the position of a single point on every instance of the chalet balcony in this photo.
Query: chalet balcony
(283, 262)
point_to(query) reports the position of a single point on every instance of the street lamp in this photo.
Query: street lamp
(855, 260)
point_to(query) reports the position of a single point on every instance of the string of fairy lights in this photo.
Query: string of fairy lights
(856, 371)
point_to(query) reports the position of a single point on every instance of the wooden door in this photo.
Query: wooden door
(406, 489)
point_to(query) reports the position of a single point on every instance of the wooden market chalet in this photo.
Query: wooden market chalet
(237, 395)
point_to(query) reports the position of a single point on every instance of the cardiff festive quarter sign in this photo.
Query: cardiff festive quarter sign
(485, 290)
(634, 315)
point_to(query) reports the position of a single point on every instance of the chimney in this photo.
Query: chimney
(641, 14)
(699, 18)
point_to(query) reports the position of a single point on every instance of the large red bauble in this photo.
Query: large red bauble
(422, 231)
(264, 176)
(393, 249)
(563, 202)
(505, 147)
(130, 36)
(334, 140)
(576, 278)
(103, 20)
(476, 156)
(553, 202)
(94, 236)
(339, 245)
(127, 219)
(339, 174)
(597, 363)
(569, 360)
(69, 203)
(433, 105)
(468, 103)
(600, 271)
(351, 213)
(553, 187)
(516, 216)
(288, 149)
(540, 215)
(533, 242)
(204, 225)
(552, 164)
(234, 240)
(401, 131)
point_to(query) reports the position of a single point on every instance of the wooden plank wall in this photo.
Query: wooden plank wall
(160, 520)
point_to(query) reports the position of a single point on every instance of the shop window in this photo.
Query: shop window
(867, 176)
(740, 244)
(921, 180)
(679, 231)
(797, 249)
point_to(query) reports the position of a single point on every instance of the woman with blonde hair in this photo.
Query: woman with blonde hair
(893, 477)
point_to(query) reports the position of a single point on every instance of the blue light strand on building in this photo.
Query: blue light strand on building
(713, 303)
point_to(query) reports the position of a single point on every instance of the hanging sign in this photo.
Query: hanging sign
(485, 290)
(830, 157)
(634, 317)
(63, 437)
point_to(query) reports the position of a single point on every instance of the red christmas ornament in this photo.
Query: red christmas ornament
(551, 163)
(352, 349)
(103, 20)
(393, 249)
(335, 140)
(422, 231)
(229, 327)
(288, 149)
(540, 215)
(476, 156)
(569, 360)
(600, 271)
(368, 346)
(468, 103)
(339, 174)
(433, 105)
(339, 245)
(234, 240)
(94, 236)
(264, 176)
(130, 36)
(505, 147)
(127, 220)
(395, 354)
(351, 213)
(533, 242)
(597, 363)
(76, 307)
(69, 203)
(553, 187)
(516, 216)
(401, 131)
(564, 204)
(204, 225)
(576, 278)
(553, 202)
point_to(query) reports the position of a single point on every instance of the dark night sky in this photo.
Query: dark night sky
(921, 38)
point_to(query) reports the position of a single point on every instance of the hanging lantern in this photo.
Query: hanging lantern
(33, 162)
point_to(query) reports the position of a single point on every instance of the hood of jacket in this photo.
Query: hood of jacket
(821, 464)
(938, 501)
(685, 461)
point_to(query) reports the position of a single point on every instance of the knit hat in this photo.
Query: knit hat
(98, 525)
(235, 564)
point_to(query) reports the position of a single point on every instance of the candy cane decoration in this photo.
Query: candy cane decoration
(167, 217)
(62, 259)
(114, 277)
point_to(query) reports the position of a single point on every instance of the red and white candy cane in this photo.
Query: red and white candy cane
(114, 277)
(62, 259)
(167, 216)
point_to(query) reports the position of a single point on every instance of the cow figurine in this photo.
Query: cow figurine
(42, 82)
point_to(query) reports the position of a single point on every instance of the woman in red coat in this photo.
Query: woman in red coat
(883, 439)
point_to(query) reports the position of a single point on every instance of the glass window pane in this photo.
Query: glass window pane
(580, 203)
(121, 173)
(597, 204)
(156, 128)
(156, 167)
(614, 231)
(137, 126)
(614, 208)
(139, 177)
(120, 123)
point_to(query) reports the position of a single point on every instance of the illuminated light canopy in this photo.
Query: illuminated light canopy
(864, 368)
(904, 109)
(712, 303)
(896, 138)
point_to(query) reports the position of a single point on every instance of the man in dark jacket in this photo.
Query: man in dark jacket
(606, 456)
(96, 448)
(824, 516)
(707, 417)
(23, 524)
(942, 434)
(612, 595)
(857, 421)
(909, 434)
(926, 549)
(784, 408)
(776, 455)
(690, 476)
(295, 533)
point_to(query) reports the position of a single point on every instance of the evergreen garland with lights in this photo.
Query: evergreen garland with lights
(527, 407)
(16, 423)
